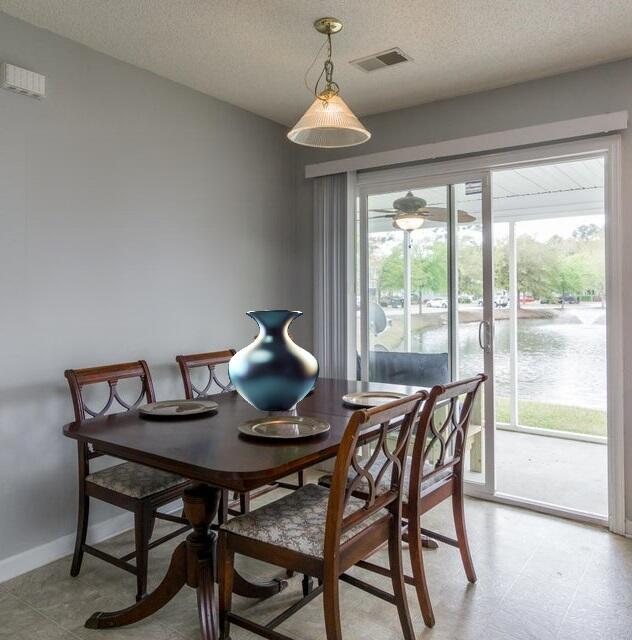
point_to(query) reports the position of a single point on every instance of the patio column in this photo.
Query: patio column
(407, 268)
(513, 325)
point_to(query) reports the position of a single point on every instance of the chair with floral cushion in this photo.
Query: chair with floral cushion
(134, 487)
(323, 533)
(434, 470)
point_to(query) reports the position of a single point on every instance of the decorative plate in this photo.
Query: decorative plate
(178, 408)
(284, 427)
(371, 398)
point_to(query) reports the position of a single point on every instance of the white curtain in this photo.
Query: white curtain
(330, 277)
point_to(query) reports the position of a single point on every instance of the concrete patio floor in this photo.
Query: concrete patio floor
(566, 473)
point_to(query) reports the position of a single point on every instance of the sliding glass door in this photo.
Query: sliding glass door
(551, 333)
(425, 305)
(507, 265)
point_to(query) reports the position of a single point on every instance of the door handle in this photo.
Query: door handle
(481, 325)
(483, 330)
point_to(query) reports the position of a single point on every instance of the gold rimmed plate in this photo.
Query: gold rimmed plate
(173, 409)
(284, 427)
(364, 399)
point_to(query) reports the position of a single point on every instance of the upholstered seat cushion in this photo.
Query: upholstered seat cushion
(426, 484)
(297, 521)
(135, 480)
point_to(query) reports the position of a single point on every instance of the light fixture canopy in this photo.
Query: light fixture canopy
(328, 25)
(408, 221)
(328, 123)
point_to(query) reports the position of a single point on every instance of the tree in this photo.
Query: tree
(501, 265)
(470, 259)
(535, 267)
(587, 231)
(595, 268)
(559, 266)
(569, 275)
(429, 269)
(391, 273)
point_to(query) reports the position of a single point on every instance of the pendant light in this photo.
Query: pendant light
(328, 123)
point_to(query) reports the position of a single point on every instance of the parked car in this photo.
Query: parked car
(397, 301)
(438, 303)
(501, 300)
(568, 299)
(526, 298)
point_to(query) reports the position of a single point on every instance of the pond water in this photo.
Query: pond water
(561, 360)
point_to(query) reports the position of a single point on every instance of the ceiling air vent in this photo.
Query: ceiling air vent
(381, 60)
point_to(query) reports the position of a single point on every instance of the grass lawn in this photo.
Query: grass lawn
(554, 416)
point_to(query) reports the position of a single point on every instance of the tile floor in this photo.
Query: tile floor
(539, 578)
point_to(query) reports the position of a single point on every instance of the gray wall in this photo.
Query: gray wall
(600, 89)
(138, 219)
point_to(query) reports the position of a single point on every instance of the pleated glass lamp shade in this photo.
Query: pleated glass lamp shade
(329, 124)
(408, 221)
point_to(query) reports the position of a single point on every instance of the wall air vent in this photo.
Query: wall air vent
(381, 60)
(22, 81)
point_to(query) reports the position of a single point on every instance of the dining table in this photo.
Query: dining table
(212, 452)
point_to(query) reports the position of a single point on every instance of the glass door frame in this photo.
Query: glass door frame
(430, 172)
(448, 180)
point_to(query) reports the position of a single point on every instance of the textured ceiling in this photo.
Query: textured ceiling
(254, 53)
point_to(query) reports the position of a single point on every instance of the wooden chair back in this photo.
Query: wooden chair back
(380, 485)
(110, 374)
(209, 360)
(441, 434)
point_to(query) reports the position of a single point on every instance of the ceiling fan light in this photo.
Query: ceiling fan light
(329, 124)
(408, 221)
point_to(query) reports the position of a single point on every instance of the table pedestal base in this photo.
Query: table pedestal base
(192, 564)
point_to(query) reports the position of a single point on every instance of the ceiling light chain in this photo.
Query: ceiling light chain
(331, 88)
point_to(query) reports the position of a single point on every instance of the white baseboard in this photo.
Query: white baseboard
(50, 551)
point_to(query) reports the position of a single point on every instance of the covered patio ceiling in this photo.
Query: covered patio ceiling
(572, 188)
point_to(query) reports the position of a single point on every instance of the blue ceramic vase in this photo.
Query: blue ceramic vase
(273, 373)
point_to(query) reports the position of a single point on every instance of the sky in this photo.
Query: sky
(542, 230)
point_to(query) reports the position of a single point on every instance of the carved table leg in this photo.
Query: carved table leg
(170, 585)
(201, 504)
(193, 564)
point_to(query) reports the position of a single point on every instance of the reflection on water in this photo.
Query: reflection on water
(561, 361)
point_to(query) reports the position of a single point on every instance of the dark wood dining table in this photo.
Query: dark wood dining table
(215, 455)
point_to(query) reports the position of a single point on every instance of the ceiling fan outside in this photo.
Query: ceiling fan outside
(412, 206)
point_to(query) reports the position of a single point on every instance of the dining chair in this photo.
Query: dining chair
(134, 487)
(435, 473)
(213, 383)
(323, 533)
